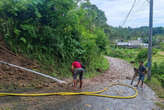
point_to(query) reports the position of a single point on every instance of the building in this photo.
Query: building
(132, 44)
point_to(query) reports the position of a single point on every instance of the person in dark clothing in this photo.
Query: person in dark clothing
(77, 70)
(135, 72)
(142, 71)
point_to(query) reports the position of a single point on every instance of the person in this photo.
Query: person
(135, 72)
(142, 71)
(77, 70)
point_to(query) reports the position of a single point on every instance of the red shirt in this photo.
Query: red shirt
(76, 64)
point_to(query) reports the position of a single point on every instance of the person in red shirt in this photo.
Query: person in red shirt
(77, 70)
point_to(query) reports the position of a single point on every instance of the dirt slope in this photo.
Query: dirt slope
(13, 78)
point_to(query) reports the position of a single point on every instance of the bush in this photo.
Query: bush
(121, 53)
(162, 46)
(158, 71)
(55, 31)
(116, 53)
(143, 55)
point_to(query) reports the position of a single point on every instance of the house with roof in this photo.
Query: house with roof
(132, 44)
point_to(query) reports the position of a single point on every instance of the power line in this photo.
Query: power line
(126, 18)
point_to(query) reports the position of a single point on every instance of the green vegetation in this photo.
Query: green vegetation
(160, 105)
(55, 33)
(156, 85)
(158, 68)
(5, 108)
(126, 54)
(125, 34)
(157, 81)
(102, 63)
(162, 46)
(130, 54)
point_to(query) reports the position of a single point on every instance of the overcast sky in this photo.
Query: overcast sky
(116, 10)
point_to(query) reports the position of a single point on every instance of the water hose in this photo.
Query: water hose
(96, 93)
(38, 73)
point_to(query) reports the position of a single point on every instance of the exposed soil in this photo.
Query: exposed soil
(13, 78)
(20, 81)
(119, 70)
(16, 80)
(161, 53)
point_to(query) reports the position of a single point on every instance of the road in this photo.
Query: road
(120, 71)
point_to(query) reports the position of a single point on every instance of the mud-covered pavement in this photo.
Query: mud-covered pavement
(119, 72)
(144, 101)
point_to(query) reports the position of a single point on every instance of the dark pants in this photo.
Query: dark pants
(78, 71)
(141, 76)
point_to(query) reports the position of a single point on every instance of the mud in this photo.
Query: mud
(118, 72)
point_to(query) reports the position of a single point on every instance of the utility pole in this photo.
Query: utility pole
(150, 40)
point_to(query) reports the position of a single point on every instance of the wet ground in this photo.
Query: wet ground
(119, 72)
(144, 101)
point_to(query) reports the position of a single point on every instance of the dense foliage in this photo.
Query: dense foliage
(122, 53)
(138, 55)
(158, 67)
(54, 30)
(143, 55)
(135, 55)
(124, 34)
(158, 71)
(162, 46)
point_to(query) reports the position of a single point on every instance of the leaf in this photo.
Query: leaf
(23, 39)
(38, 14)
(17, 32)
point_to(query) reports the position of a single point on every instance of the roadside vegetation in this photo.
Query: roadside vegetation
(125, 34)
(126, 54)
(157, 80)
(56, 33)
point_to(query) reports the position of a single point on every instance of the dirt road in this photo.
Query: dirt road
(119, 72)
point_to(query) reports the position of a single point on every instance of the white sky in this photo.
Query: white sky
(116, 10)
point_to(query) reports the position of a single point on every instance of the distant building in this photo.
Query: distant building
(132, 44)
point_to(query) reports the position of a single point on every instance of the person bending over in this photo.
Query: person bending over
(77, 70)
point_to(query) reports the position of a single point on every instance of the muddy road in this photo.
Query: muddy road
(119, 71)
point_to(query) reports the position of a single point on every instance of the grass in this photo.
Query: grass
(160, 105)
(101, 65)
(159, 57)
(5, 108)
(97, 66)
(156, 85)
(126, 54)
(63, 69)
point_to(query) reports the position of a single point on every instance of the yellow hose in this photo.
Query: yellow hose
(78, 93)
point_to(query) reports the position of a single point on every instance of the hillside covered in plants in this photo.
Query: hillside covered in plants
(55, 33)
(125, 34)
